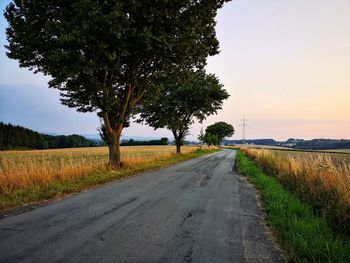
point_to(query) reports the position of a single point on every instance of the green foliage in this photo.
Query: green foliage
(211, 139)
(220, 129)
(104, 55)
(306, 237)
(131, 142)
(17, 137)
(67, 141)
(183, 97)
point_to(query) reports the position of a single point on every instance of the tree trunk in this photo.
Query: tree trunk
(114, 152)
(178, 140)
(178, 148)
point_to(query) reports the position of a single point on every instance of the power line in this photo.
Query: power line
(244, 124)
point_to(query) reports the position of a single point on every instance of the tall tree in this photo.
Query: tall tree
(184, 97)
(221, 130)
(104, 55)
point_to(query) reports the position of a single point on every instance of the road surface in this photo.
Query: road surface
(196, 211)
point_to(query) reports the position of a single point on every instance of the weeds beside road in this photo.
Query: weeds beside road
(305, 236)
(317, 179)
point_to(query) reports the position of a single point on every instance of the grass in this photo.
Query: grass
(318, 179)
(306, 237)
(32, 176)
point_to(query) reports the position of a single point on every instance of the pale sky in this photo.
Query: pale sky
(285, 63)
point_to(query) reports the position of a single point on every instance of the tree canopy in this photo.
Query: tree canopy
(220, 129)
(183, 97)
(104, 55)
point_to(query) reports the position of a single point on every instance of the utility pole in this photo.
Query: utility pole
(244, 124)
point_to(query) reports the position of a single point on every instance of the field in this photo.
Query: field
(21, 169)
(320, 179)
(338, 156)
(304, 235)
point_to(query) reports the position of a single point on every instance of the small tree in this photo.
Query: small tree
(184, 96)
(221, 130)
(201, 137)
(104, 55)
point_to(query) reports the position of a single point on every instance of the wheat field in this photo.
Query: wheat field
(321, 179)
(20, 169)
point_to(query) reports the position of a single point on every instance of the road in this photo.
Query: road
(196, 211)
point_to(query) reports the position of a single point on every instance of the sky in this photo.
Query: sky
(286, 65)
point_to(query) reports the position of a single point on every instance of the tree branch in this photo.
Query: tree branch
(107, 123)
(124, 108)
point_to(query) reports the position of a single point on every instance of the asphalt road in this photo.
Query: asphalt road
(196, 211)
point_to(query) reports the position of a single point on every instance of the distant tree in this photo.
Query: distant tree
(184, 97)
(164, 141)
(131, 142)
(201, 136)
(211, 139)
(221, 130)
(104, 55)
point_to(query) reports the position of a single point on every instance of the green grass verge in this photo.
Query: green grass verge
(304, 236)
(61, 188)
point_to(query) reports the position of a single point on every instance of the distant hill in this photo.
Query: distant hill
(322, 144)
(17, 137)
(314, 144)
(253, 141)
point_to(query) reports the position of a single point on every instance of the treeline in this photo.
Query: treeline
(253, 141)
(314, 144)
(67, 141)
(17, 137)
(322, 144)
(131, 142)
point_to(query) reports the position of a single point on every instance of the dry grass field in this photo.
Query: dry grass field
(321, 179)
(338, 150)
(20, 169)
(338, 156)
